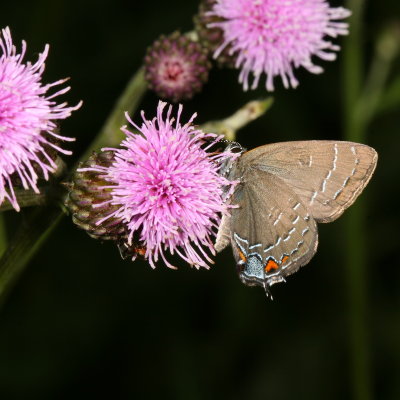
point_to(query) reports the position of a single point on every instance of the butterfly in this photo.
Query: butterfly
(284, 189)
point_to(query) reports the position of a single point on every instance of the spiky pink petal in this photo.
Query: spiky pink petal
(168, 187)
(27, 115)
(274, 37)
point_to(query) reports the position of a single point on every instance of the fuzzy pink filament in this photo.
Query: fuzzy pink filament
(27, 115)
(168, 187)
(275, 37)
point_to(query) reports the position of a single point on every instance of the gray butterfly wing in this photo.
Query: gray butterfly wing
(326, 175)
(272, 232)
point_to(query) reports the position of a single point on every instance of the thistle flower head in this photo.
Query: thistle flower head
(176, 67)
(28, 138)
(166, 188)
(276, 36)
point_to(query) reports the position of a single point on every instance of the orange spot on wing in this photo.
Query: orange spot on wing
(271, 264)
(242, 256)
(141, 251)
(284, 259)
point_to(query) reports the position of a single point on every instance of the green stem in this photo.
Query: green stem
(368, 103)
(3, 235)
(26, 198)
(24, 245)
(361, 104)
(230, 125)
(386, 50)
(390, 99)
(30, 238)
(355, 262)
(352, 62)
(110, 134)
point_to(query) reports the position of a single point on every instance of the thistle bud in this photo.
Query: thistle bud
(89, 200)
(176, 67)
(212, 37)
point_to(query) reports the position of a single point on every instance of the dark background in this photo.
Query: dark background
(82, 323)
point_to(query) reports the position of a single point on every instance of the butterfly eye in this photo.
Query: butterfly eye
(235, 147)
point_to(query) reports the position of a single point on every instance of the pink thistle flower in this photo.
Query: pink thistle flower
(28, 139)
(276, 36)
(168, 188)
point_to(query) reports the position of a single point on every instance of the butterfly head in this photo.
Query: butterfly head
(228, 165)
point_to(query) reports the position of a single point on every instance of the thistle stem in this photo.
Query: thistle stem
(110, 134)
(249, 112)
(24, 246)
(361, 104)
(355, 256)
(3, 235)
(26, 198)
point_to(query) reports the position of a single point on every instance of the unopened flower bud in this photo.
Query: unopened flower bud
(176, 67)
